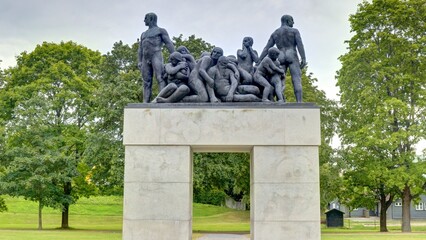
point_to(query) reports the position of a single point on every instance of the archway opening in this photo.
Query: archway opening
(221, 192)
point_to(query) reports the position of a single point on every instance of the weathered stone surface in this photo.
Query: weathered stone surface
(216, 126)
(157, 229)
(158, 164)
(283, 140)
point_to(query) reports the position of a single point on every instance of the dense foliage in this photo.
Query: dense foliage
(62, 123)
(383, 104)
(47, 103)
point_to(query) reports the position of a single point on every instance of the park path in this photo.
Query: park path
(224, 237)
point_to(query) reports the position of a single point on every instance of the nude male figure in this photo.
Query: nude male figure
(150, 58)
(225, 83)
(287, 39)
(268, 75)
(200, 83)
(177, 72)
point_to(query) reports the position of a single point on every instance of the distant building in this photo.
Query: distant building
(417, 210)
(334, 218)
(357, 212)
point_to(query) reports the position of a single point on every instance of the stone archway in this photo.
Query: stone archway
(283, 140)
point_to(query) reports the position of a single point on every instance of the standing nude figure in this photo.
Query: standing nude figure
(150, 58)
(287, 39)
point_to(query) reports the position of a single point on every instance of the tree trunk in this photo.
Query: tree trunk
(383, 216)
(40, 222)
(406, 214)
(385, 202)
(65, 211)
(66, 206)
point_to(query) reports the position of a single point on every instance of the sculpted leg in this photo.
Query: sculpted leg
(246, 77)
(296, 77)
(165, 93)
(212, 94)
(248, 89)
(157, 65)
(267, 88)
(179, 94)
(246, 98)
(200, 93)
(147, 75)
(276, 82)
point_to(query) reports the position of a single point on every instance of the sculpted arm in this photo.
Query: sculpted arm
(270, 66)
(140, 52)
(271, 43)
(182, 76)
(301, 49)
(204, 65)
(253, 54)
(241, 54)
(170, 69)
(190, 60)
(234, 69)
(276, 68)
(234, 84)
(167, 42)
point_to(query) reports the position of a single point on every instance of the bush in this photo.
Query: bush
(3, 206)
(213, 197)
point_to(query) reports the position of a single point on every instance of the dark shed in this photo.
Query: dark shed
(334, 218)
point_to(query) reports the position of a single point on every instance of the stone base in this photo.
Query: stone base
(283, 140)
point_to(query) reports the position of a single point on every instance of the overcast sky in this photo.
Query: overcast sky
(98, 24)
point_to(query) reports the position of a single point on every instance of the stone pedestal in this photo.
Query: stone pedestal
(283, 140)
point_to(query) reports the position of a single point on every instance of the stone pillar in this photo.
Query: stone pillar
(157, 193)
(285, 193)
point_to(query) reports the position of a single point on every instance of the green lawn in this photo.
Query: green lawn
(209, 218)
(99, 213)
(101, 218)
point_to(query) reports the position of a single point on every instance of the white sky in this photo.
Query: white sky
(98, 24)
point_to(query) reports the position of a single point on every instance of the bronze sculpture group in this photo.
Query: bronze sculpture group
(216, 78)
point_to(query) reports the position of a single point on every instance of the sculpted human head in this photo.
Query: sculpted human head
(175, 58)
(222, 62)
(182, 50)
(232, 59)
(287, 20)
(150, 19)
(217, 52)
(247, 42)
(273, 53)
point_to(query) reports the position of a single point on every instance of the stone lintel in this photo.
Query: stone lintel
(213, 127)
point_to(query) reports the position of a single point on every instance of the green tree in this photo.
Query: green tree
(47, 101)
(383, 100)
(217, 175)
(120, 84)
(3, 206)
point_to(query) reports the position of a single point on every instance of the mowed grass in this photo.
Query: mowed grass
(59, 235)
(98, 213)
(100, 218)
(373, 236)
(209, 218)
